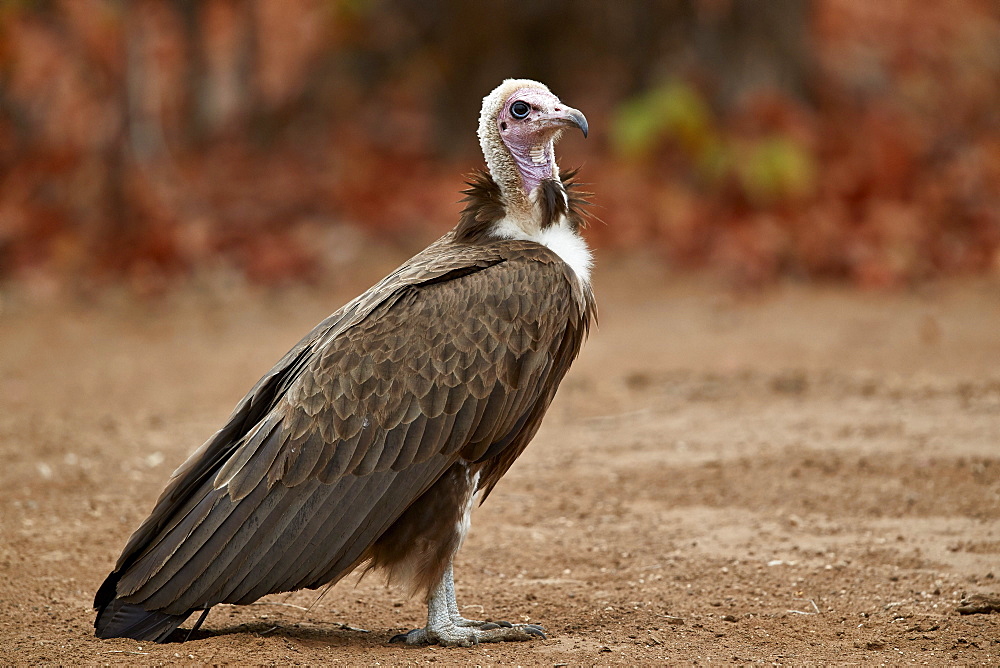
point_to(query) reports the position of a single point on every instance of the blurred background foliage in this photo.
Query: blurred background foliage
(146, 142)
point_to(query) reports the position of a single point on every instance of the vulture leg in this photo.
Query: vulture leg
(445, 626)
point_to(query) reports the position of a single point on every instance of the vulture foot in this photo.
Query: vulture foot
(445, 626)
(450, 634)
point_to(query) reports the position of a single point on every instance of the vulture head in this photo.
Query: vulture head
(519, 125)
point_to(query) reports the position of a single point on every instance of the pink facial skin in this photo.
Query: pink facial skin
(530, 139)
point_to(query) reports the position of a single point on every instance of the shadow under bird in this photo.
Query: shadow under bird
(368, 441)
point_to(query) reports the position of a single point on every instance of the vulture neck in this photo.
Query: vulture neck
(530, 169)
(521, 172)
(551, 214)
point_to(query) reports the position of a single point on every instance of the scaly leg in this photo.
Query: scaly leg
(445, 626)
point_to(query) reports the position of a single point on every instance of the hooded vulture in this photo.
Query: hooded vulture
(368, 441)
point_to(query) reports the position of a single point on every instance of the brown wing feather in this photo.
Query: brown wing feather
(443, 360)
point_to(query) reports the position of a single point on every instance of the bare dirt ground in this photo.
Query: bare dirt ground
(807, 476)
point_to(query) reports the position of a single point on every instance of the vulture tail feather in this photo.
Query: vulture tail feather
(126, 620)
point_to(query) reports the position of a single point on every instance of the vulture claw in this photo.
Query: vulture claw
(535, 630)
(405, 637)
(452, 635)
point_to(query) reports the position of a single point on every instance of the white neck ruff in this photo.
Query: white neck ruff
(559, 238)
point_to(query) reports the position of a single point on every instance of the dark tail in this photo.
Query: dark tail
(118, 619)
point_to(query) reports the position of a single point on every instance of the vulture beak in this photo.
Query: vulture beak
(566, 117)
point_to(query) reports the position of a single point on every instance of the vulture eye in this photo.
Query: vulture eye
(519, 109)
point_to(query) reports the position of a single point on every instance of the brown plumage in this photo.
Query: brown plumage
(367, 441)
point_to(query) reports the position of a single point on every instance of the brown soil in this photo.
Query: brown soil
(806, 476)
